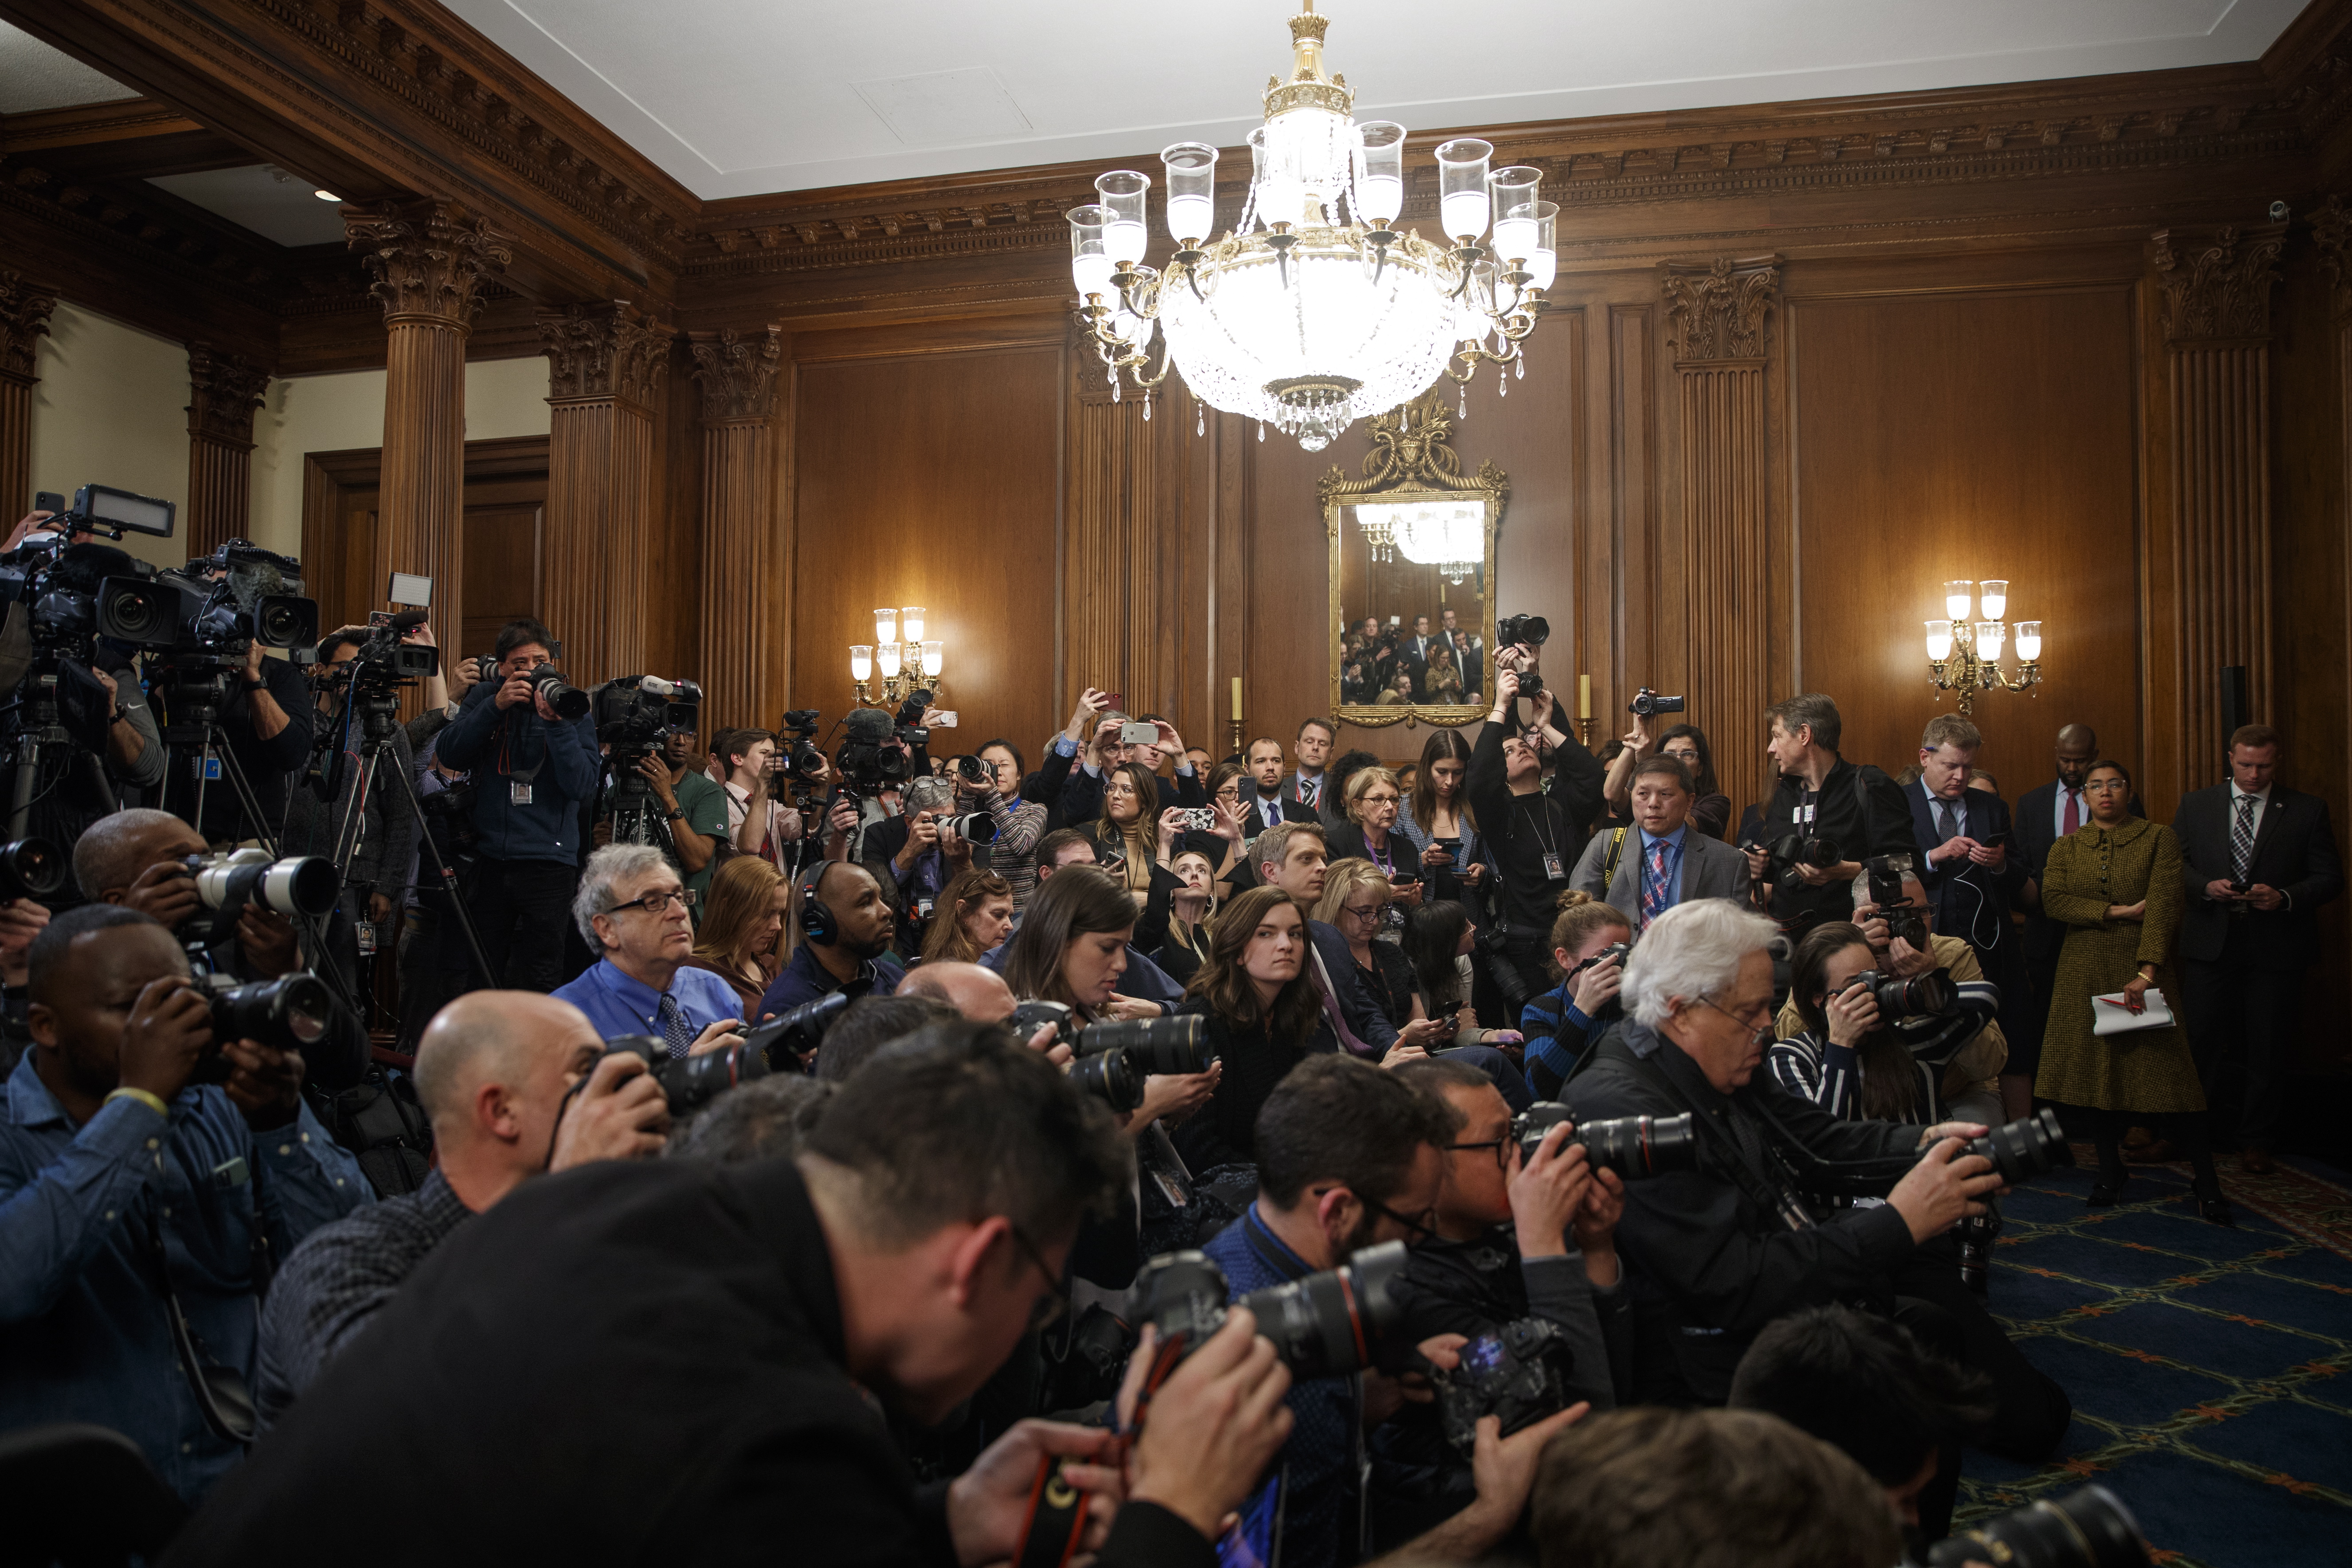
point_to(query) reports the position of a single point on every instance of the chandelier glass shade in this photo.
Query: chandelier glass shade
(1448, 535)
(1312, 311)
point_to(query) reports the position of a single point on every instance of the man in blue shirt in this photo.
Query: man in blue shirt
(1349, 1157)
(632, 908)
(118, 1173)
(841, 928)
(1660, 861)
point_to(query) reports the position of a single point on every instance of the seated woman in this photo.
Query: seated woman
(1710, 810)
(973, 914)
(1262, 1013)
(1371, 800)
(743, 930)
(1437, 817)
(1438, 939)
(1127, 846)
(1443, 682)
(1850, 1060)
(1190, 908)
(1356, 898)
(1560, 1024)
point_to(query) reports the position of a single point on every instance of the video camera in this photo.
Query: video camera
(868, 762)
(258, 598)
(635, 716)
(1635, 1147)
(797, 757)
(1647, 702)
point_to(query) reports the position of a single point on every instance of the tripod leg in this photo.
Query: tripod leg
(20, 794)
(102, 788)
(216, 744)
(449, 882)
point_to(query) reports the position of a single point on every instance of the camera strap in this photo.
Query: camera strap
(220, 1395)
(1609, 872)
(1746, 1168)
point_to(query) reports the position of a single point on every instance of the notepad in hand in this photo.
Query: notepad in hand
(2110, 1015)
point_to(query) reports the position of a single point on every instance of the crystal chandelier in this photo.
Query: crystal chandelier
(1313, 311)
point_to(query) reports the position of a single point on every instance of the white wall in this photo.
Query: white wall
(336, 412)
(111, 408)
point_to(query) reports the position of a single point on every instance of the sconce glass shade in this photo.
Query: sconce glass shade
(1281, 197)
(1464, 206)
(889, 654)
(1122, 191)
(934, 656)
(886, 627)
(1990, 635)
(911, 622)
(1192, 169)
(1380, 172)
(1545, 262)
(861, 662)
(1993, 594)
(2029, 640)
(1513, 192)
(1090, 267)
(1940, 640)
(1957, 599)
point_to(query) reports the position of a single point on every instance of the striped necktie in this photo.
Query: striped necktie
(1653, 885)
(2242, 840)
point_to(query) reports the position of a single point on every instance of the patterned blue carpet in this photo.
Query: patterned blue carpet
(2211, 1369)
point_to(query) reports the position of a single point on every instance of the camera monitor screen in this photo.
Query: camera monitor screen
(132, 513)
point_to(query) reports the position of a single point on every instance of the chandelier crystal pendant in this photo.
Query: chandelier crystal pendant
(1313, 311)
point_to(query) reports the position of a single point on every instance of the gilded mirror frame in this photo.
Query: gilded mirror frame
(1413, 456)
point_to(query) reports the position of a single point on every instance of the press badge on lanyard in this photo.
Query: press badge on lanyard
(1552, 871)
(519, 792)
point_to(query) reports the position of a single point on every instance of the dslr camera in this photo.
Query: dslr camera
(565, 700)
(1532, 630)
(689, 1083)
(1785, 853)
(1633, 1146)
(1325, 1325)
(1115, 1057)
(1904, 917)
(290, 1012)
(30, 868)
(1646, 702)
(1931, 994)
(2087, 1529)
(1519, 1374)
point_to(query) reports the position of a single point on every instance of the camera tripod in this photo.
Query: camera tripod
(635, 814)
(42, 746)
(378, 714)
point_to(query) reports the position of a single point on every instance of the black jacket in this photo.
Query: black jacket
(624, 1364)
(1516, 831)
(1711, 1263)
(1859, 808)
(2294, 851)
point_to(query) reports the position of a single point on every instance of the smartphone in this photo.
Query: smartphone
(1138, 734)
(1119, 699)
(1402, 880)
(49, 501)
(407, 588)
(1200, 818)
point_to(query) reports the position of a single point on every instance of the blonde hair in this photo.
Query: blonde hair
(1341, 878)
(738, 902)
(1580, 914)
(1360, 785)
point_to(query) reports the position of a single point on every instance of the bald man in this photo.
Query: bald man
(977, 993)
(492, 1071)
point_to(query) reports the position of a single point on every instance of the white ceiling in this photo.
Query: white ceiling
(35, 76)
(270, 202)
(740, 97)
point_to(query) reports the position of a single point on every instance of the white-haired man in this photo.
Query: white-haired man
(495, 1071)
(1728, 1246)
(633, 908)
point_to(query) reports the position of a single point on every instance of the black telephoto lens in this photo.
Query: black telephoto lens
(1109, 1077)
(1330, 1324)
(288, 1014)
(692, 1082)
(1929, 994)
(2025, 1149)
(30, 868)
(784, 1039)
(568, 700)
(1152, 1044)
(2086, 1529)
(1639, 1146)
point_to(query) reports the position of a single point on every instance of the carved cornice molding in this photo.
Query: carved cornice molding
(738, 373)
(227, 389)
(24, 318)
(1716, 310)
(121, 216)
(605, 347)
(2331, 227)
(427, 261)
(2216, 282)
(412, 51)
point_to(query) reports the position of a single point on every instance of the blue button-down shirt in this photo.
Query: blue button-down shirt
(1320, 1459)
(83, 1334)
(804, 980)
(617, 1004)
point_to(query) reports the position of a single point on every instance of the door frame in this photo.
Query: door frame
(327, 475)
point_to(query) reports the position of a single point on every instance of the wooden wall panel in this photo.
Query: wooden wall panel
(930, 479)
(1963, 434)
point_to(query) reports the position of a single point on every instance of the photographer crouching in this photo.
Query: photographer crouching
(688, 1356)
(1723, 1246)
(527, 737)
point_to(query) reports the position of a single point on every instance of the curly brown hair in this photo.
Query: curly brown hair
(945, 939)
(1225, 985)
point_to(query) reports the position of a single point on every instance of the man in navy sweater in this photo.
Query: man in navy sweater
(533, 771)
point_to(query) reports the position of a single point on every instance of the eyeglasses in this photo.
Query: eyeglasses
(1363, 912)
(1050, 1306)
(655, 903)
(1421, 1229)
(1758, 1034)
(1501, 1146)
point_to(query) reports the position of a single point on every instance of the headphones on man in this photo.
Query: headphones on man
(818, 927)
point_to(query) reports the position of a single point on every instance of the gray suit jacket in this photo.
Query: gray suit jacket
(1711, 869)
(1327, 809)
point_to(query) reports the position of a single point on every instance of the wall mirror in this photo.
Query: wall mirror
(1412, 569)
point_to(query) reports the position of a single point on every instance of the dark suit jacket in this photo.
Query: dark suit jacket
(1969, 902)
(1364, 1016)
(1326, 809)
(1255, 823)
(2294, 851)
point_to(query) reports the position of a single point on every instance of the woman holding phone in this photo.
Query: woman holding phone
(1371, 801)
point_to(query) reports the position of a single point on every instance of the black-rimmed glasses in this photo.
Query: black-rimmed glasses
(655, 903)
(1501, 1146)
(1048, 1307)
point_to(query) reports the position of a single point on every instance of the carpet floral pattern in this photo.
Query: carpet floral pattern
(2210, 1368)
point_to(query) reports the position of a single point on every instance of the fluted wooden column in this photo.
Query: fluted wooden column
(24, 316)
(1717, 314)
(224, 392)
(607, 360)
(2216, 287)
(1123, 489)
(737, 372)
(428, 261)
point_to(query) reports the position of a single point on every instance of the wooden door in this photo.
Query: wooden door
(505, 519)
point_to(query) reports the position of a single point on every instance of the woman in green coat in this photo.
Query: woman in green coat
(2115, 883)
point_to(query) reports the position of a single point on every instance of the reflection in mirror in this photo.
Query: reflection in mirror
(1412, 557)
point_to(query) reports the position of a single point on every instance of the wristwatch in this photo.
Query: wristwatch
(119, 715)
(674, 815)
(257, 684)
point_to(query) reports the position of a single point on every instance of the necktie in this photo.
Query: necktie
(1321, 979)
(2242, 840)
(1306, 793)
(1653, 885)
(1949, 813)
(2074, 810)
(676, 1031)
